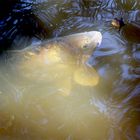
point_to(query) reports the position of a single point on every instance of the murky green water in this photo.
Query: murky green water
(45, 103)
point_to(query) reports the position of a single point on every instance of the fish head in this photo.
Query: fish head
(90, 41)
(86, 41)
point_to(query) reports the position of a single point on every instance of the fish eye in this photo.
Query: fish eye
(85, 46)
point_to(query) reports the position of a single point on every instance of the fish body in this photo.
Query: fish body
(79, 46)
(62, 58)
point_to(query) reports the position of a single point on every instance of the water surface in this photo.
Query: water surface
(44, 102)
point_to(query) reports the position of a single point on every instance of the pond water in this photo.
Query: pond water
(47, 103)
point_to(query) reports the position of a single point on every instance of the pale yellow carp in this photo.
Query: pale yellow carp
(62, 61)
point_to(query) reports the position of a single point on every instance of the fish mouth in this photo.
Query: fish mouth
(90, 36)
(96, 37)
(94, 40)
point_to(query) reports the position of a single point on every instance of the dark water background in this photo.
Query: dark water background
(23, 22)
(43, 19)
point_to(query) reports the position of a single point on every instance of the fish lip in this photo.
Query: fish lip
(96, 37)
(100, 39)
(95, 40)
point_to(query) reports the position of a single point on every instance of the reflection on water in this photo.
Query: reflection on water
(39, 102)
